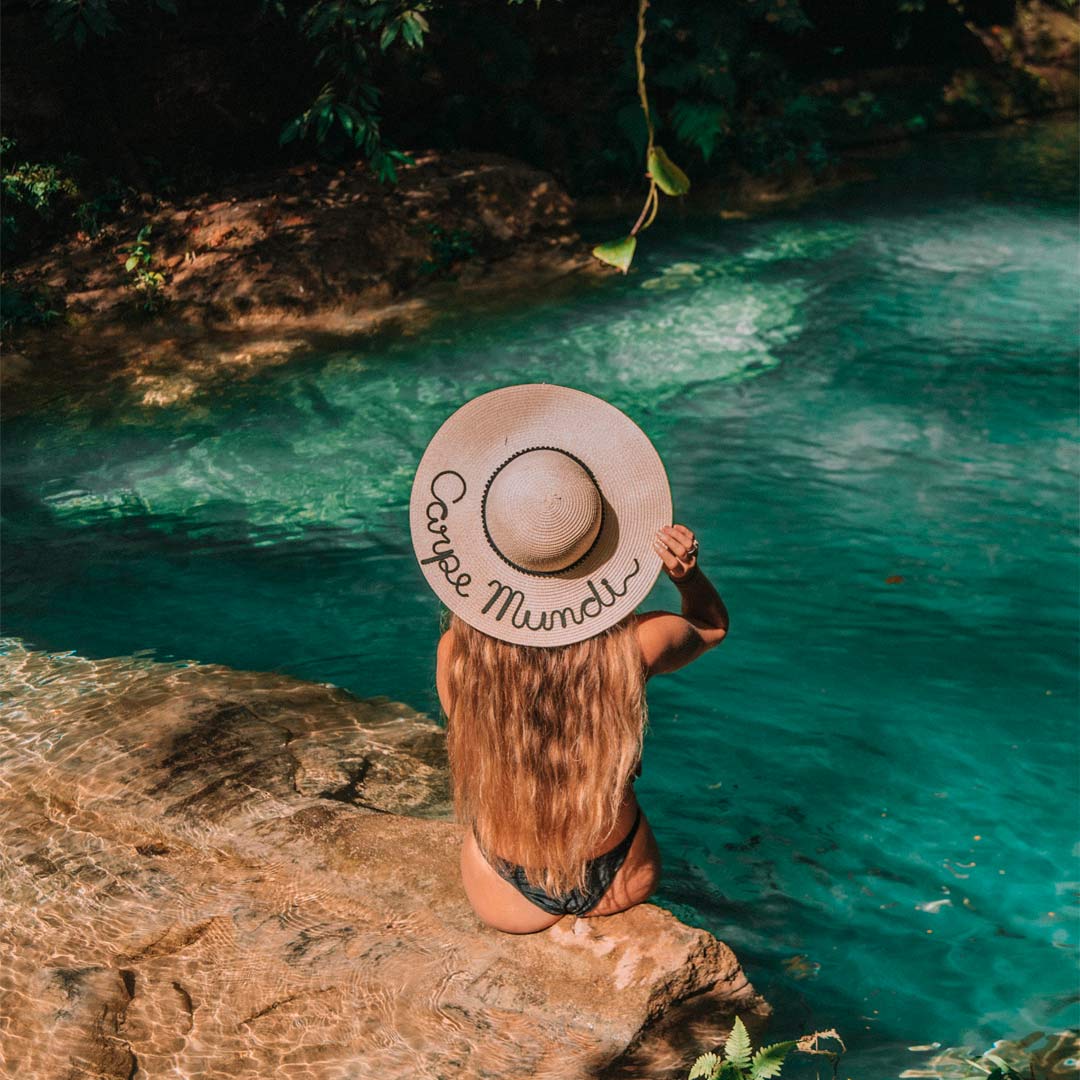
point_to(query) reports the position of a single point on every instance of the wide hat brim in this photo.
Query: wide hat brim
(471, 577)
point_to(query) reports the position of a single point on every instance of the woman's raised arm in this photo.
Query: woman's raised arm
(669, 641)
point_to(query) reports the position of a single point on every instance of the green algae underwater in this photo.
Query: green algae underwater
(867, 407)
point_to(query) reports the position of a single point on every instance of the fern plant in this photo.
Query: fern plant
(741, 1061)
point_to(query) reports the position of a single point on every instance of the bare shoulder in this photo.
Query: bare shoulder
(445, 647)
(669, 641)
(658, 632)
(442, 663)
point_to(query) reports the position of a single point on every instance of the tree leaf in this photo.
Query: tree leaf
(132, 262)
(670, 179)
(703, 1067)
(737, 1048)
(389, 34)
(617, 253)
(326, 118)
(413, 27)
(290, 131)
(345, 119)
(769, 1059)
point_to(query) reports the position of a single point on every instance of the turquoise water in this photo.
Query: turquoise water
(867, 408)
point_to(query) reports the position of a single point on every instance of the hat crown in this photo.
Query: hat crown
(542, 510)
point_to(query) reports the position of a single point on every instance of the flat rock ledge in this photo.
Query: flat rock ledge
(213, 873)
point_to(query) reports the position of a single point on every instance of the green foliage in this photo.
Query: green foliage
(77, 20)
(42, 199)
(717, 95)
(40, 187)
(448, 246)
(742, 1062)
(92, 213)
(700, 124)
(768, 1061)
(664, 175)
(668, 177)
(704, 1067)
(142, 277)
(617, 253)
(724, 92)
(737, 1049)
(35, 195)
(24, 307)
(345, 113)
(691, 57)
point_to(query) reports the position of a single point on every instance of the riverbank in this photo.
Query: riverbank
(223, 873)
(227, 282)
(299, 260)
(303, 261)
(257, 272)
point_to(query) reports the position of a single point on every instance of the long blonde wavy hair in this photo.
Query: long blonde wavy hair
(542, 743)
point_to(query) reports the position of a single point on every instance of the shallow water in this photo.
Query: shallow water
(868, 411)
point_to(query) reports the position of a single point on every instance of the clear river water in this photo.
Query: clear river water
(867, 407)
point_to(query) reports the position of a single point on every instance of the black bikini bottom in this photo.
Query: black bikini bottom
(599, 874)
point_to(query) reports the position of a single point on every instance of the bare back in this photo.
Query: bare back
(667, 642)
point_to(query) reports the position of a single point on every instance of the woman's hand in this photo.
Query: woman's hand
(670, 641)
(677, 548)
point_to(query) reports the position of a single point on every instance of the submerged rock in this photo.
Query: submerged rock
(217, 873)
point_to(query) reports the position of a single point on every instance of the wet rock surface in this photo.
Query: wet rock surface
(215, 873)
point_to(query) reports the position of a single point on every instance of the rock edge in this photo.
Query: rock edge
(211, 872)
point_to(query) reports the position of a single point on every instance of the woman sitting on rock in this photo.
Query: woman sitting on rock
(540, 517)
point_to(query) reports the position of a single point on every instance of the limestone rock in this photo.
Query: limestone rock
(216, 873)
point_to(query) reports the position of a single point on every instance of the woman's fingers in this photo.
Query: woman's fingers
(673, 553)
(677, 541)
(671, 564)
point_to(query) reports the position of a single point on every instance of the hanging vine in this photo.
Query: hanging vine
(663, 174)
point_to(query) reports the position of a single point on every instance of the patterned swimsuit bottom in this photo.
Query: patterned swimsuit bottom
(599, 874)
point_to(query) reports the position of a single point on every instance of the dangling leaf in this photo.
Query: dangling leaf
(670, 179)
(703, 1067)
(617, 253)
(737, 1047)
(768, 1060)
(290, 131)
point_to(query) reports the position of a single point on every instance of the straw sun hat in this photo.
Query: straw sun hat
(533, 514)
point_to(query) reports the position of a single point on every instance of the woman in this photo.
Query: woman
(540, 516)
